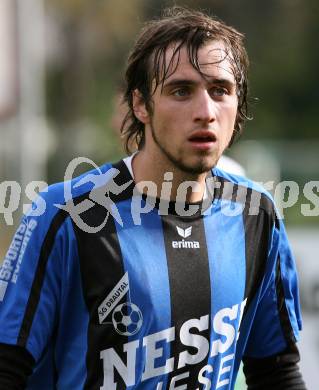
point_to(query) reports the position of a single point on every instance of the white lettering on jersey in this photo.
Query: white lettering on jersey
(178, 378)
(153, 353)
(111, 360)
(113, 298)
(202, 379)
(3, 289)
(225, 329)
(185, 244)
(194, 340)
(9, 271)
(225, 324)
(223, 370)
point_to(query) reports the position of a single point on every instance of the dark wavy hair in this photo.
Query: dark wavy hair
(146, 63)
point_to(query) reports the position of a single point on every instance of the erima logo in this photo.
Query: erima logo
(184, 232)
(185, 244)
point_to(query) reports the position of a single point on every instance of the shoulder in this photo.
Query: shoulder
(54, 197)
(243, 190)
(54, 205)
(230, 165)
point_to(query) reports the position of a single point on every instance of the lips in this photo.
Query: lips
(202, 141)
(202, 136)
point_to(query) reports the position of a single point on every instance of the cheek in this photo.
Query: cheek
(229, 115)
(228, 121)
(169, 118)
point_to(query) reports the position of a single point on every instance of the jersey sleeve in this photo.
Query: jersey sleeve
(277, 318)
(276, 372)
(16, 366)
(30, 281)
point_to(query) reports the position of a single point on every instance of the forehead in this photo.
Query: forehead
(214, 60)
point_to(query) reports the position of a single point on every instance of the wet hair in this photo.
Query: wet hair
(147, 67)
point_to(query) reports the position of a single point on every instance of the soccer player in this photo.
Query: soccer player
(160, 271)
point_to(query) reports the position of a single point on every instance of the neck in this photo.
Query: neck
(168, 183)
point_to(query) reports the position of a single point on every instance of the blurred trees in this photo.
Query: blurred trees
(92, 39)
(90, 42)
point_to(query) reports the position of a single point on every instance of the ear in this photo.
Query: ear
(139, 107)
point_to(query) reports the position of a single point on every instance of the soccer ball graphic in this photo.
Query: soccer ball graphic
(127, 319)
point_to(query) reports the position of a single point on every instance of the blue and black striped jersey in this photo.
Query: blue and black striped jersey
(149, 299)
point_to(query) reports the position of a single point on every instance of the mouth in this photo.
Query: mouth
(202, 139)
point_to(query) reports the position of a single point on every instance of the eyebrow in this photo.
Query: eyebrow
(188, 82)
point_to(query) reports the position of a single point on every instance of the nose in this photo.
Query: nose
(204, 108)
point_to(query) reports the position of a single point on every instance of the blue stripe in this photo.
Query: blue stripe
(75, 326)
(290, 282)
(144, 259)
(225, 237)
(57, 301)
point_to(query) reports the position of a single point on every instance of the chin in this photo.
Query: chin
(198, 167)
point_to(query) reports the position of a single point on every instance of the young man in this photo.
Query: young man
(160, 271)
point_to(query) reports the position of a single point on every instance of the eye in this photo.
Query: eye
(181, 92)
(218, 91)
